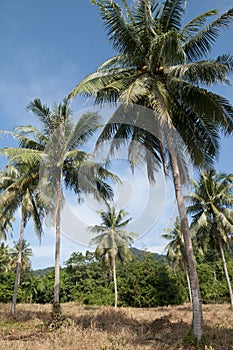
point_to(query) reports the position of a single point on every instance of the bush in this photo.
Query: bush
(151, 284)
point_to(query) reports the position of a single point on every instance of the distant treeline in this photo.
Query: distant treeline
(146, 281)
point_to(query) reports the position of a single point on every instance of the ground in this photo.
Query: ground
(94, 328)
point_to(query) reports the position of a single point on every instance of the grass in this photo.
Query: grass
(94, 328)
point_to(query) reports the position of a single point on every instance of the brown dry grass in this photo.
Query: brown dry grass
(90, 328)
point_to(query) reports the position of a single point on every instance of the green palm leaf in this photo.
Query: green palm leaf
(171, 16)
(200, 44)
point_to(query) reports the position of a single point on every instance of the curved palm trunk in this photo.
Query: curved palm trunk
(192, 271)
(18, 268)
(56, 301)
(225, 268)
(115, 282)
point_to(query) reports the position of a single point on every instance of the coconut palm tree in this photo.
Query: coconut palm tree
(161, 65)
(6, 221)
(212, 214)
(113, 240)
(176, 249)
(5, 258)
(56, 151)
(5, 224)
(26, 254)
(18, 190)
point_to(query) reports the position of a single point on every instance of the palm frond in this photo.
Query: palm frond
(201, 44)
(160, 101)
(204, 103)
(35, 134)
(86, 126)
(194, 26)
(39, 110)
(171, 16)
(96, 82)
(22, 155)
(119, 31)
(133, 92)
(204, 72)
(114, 62)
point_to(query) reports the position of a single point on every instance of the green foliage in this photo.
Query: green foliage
(112, 238)
(44, 291)
(212, 218)
(26, 254)
(148, 284)
(143, 282)
(165, 67)
(212, 281)
(42, 272)
(7, 281)
(99, 295)
(85, 280)
(142, 254)
(5, 258)
(211, 205)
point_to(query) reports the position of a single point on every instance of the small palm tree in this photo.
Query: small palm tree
(7, 219)
(113, 240)
(176, 249)
(26, 254)
(212, 214)
(5, 258)
(18, 190)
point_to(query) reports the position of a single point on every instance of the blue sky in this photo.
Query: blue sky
(47, 47)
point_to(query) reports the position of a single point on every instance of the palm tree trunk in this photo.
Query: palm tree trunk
(189, 286)
(192, 271)
(115, 282)
(225, 268)
(18, 267)
(56, 302)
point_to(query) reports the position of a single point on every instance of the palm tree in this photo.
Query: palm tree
(211, 204)
(113, 240)
(176, 250)
(18, 190)
(5, 258)
(56, 151)
(160, 65)
(6, 221)
(26, 254)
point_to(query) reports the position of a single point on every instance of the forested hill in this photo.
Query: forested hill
(141, 254)
(137, 253)
(43, 272)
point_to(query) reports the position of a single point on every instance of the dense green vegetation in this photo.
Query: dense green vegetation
(146, 281)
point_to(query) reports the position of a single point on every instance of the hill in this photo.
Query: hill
(43, 272)
(137, 253)
(142, 254)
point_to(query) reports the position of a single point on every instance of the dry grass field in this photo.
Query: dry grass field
(90, 328)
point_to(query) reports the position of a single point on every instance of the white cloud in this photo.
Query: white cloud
(159, 249)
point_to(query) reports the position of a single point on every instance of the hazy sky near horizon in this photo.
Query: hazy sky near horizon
(47, 47)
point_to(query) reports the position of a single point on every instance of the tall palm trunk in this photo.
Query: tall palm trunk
(18, 267)
(194, 283)
(56, 301)
(115, 282)
(225, 268)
